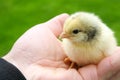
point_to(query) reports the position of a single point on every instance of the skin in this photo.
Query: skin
(38, 52)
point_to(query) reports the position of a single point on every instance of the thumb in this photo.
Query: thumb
(110, 65)
(56, 24)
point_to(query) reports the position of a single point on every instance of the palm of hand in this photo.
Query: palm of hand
(43, 56)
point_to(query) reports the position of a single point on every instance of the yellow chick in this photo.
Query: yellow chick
(86, 39)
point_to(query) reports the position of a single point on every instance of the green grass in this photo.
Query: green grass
(16, 16)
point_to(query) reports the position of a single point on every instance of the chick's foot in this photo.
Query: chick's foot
(71, 64)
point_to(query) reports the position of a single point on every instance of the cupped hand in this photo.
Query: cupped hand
(39, 55)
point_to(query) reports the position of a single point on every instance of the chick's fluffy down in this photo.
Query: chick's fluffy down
(77, 46)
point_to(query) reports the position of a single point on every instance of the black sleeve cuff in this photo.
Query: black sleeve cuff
(9, 71)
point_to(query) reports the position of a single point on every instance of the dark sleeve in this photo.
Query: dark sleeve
(9, 71)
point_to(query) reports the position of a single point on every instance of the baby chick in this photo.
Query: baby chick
(86, 39)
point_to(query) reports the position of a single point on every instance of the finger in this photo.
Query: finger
(110, 65)
(88, 72)
(56, 24)
(57, 73)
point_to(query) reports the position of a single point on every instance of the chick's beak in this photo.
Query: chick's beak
(64, 35)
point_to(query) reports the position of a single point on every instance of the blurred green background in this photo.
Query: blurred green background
(18, 16)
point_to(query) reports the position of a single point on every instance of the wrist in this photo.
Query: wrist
(20, 66)
(8, 70)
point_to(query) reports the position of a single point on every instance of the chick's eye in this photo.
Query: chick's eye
(76, 31)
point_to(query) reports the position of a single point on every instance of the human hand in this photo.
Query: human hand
(39, 55)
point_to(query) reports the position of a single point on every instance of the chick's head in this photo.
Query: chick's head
(81, 27)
